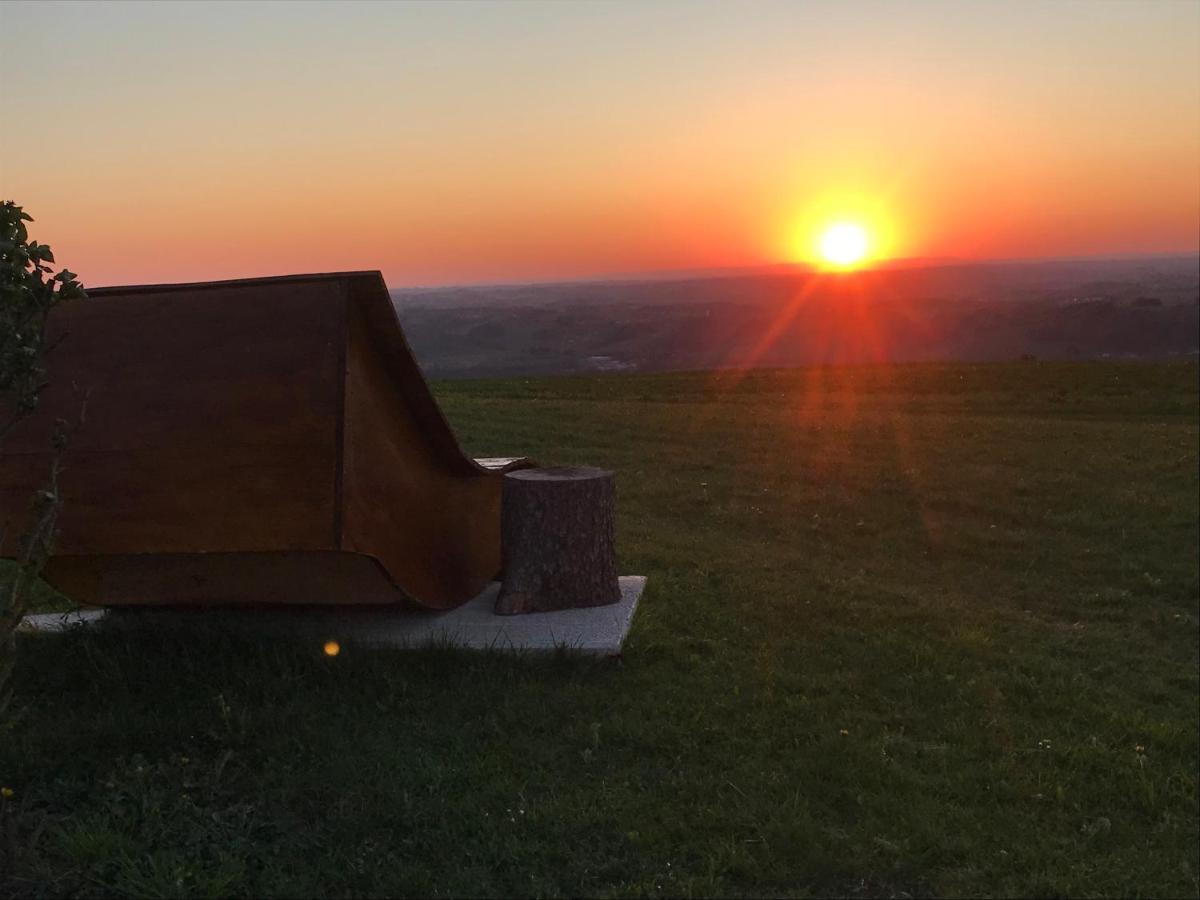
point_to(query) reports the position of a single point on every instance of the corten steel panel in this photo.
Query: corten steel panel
(426, 512)
(242, 446)
(296, 578)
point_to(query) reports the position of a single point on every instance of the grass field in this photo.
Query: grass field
(913, 630)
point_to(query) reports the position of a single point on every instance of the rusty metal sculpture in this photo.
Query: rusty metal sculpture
(267, 440)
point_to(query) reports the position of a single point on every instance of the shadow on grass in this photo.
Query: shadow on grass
(208, 763)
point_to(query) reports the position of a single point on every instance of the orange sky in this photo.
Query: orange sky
(454, 142)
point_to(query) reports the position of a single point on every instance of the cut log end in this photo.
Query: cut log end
(559, 540)
(562, 473)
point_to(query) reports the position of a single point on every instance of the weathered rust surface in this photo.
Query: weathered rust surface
(403, 473)
(257, 441)
(290, 578)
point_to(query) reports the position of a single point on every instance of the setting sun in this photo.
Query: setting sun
(844, 245)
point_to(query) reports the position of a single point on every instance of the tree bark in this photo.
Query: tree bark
(558, 534)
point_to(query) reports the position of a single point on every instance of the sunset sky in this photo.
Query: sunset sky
(462, 143)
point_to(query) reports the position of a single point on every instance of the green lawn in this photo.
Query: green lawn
(917, 629)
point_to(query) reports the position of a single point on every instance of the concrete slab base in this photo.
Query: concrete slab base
(599, 630)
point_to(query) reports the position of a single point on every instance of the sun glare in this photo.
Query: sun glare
(844, 245)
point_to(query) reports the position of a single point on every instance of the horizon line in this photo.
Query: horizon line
(911, 262)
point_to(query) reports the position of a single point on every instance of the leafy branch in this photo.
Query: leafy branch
(29, 290)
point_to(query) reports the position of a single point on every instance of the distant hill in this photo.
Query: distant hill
(1068, 309)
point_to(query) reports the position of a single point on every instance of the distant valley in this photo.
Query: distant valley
(1082, 309)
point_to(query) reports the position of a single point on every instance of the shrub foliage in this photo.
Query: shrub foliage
(29, 290)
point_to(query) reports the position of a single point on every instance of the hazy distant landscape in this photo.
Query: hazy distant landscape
(1143, 308)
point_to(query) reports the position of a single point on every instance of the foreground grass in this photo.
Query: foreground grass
(925, 630)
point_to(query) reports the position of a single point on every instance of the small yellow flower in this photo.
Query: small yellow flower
(6, 792)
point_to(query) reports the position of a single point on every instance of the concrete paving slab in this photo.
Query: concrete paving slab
(598, 630)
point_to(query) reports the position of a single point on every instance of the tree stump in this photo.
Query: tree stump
(558, 534)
